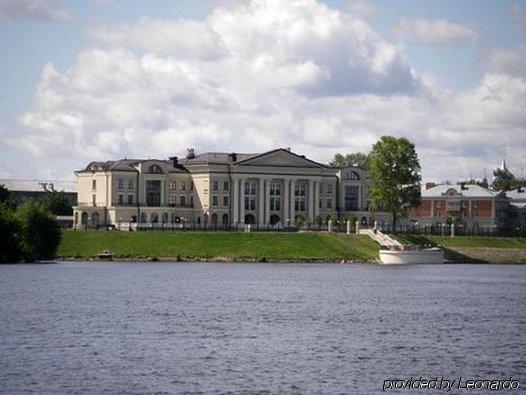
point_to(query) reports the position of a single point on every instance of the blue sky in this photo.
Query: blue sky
(456, 50)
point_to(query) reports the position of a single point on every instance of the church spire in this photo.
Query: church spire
(503, 165)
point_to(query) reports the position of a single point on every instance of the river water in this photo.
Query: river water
(278, 328)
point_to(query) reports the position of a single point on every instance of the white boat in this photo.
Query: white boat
(407, 254)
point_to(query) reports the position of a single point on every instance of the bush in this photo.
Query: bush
(10, 248)
(40, 232)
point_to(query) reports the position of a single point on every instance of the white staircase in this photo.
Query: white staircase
(381, 238)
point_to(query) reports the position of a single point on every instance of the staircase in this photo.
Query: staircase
(381, 238)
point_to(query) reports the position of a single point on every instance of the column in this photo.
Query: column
(317, 199)
(242, 201)
(235, 207)
(291, 202)
(261, 201)
(310, 201)
(285, 202)
(267, 201)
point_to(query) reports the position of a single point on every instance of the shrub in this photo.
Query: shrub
(40, 232)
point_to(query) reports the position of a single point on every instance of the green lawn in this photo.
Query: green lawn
(218, 245)
(465, 241)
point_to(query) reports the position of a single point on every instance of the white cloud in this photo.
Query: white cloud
(33, 9)
(438, 31)
(508, 61)
(296, 74)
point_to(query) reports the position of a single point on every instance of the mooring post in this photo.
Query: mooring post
(348, 227)
(329, 226)
(357, 227)
(452, 230)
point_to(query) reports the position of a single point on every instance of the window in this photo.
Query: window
(320, 188)
(130, 184)
(173, 186)
(250, 203)
(192, 201)
(121, 198)
(275, 188)
(329, 189)
(191, 185)
(299, 204)
(275, 203)
(225, 201)
(94, 199)
(299, 190)
(130, 199)
(120, 183)
(320, 203)
(226, 185)
(329, 202)
(215, 201)
(352, 175)
(94, 184)
(173, 200)
(154, 169)
(215, 185)
(250, 188)
(183, 185)
(183, 201)
(351, 198)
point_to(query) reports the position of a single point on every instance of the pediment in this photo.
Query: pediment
(451, 192)
(280, 158)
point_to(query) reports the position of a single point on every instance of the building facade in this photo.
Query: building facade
(277, 188)
(471, 206)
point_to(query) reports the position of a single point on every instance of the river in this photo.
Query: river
(277, 328)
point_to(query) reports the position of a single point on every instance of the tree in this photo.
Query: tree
(58, 203)
(40, 232)
(10, 249)
(357, 159)
(395, 175)
(504, 180)
(5, 194)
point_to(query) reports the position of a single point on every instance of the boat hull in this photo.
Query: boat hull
(396, 257)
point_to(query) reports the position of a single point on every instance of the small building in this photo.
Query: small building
(518, 209)
(24, 189)
(472, 207)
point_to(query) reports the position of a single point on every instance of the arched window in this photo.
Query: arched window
(144, 218)
(154, 218)
(352, 175)
(198, 220)
(214, 218)
(224, 219)
(164, 218)
(250, 219)
(155, 169)
(274, 219)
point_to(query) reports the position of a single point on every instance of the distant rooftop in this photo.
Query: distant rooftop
(469, 190)
(24, 185)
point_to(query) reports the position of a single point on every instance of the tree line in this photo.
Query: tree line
(29, 232)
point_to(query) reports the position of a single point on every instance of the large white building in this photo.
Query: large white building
(277, 188)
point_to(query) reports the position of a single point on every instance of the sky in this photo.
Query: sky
(107, 79)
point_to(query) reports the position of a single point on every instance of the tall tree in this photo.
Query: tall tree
(58, 203)
(395, 174)
(504, 180)
(358, 159)
(5, 194)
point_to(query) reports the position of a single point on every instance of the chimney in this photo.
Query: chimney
(174, 160)
(190, 153)
(430, 185)
(232, 157)
(462, 185)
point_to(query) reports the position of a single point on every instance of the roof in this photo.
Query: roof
(22, 185)
(469, 191)
(215, 157)
(124, 165)
(516, 194)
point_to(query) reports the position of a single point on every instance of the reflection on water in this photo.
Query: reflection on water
(275, 327)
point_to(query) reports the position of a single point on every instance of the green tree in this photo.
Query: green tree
(395, 175)
(504, 180)
(357, 159)
(40, 231)
(5, 194)
(58, 203)
(10, 248)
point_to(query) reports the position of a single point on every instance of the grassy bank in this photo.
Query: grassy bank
(227, 246)
(475, 249)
